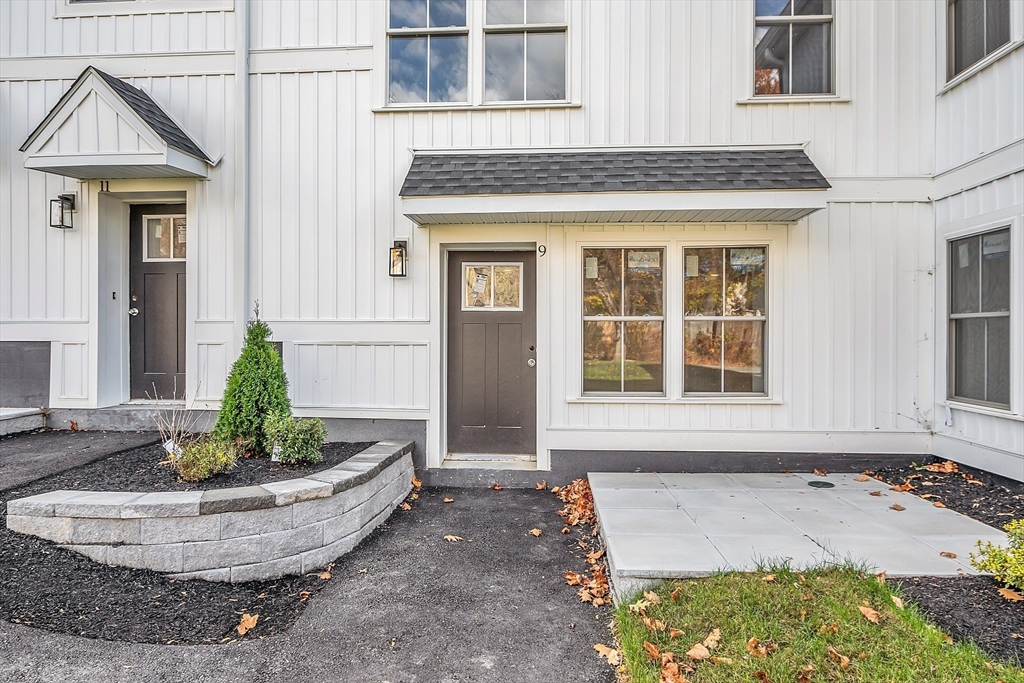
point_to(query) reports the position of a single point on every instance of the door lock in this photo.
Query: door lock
(133, 311)
(532, 362)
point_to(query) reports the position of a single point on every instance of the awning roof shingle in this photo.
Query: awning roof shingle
(453, 174)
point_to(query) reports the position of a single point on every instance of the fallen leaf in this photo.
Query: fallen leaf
(869, 614)
(755, 648)
(639, 606)
(609, 653)
(595, 555)
(566, 530)
(880, 577)
(769, 578)
(652, 597)
(803, 615)
(74, 425)
(976, 481)
(654, 624)
(574, 579)
(897, 507)
(416, 483)
(247, 623)
(449, 500)
(926, 496)
(804, 676)
(861, 478)
(414, 496)
(948, 467)
(938, 504)
(898, 602)
(406, 506)
(875, 493)
(698, 652)
(670, 673)
(324, 576)
(946, 553)
(452, 538)
(496, 486)
(721, 660)
(903, 488)
(762, 677)
(675, 593)
(536, 532)
(652, 650)
(820, 473)
(831, 628)
(674, 633)
(711, 642)
(304, 595)
(842, 660)
(541, 485)
(556, 489)
(1011, 594)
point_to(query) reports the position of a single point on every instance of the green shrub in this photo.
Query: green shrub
(256, 387)
(300, 441)
(204, 457)
(1005, 564)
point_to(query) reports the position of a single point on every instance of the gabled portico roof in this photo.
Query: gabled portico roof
(103, 127)
(613, 185)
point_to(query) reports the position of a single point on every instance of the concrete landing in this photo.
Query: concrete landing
(664, 526)
(16, 420)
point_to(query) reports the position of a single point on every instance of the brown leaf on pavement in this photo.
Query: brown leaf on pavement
(496, 486)
(448, 500)
(875, 493)
(416, 483)
(897, 507)
(609, 653)
(820, 473)
(405, 506)
(938, 504)
(325, 576)
(541, 485)
(946, 553)
(451, 538)
(574, 579)
(536, 532)
(862, 477)
(903, 488)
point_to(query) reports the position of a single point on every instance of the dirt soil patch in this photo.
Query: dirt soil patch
(140, 469)
(968, 607)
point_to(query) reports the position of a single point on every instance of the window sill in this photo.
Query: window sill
(682, 400)
(1003, 413)
(459, 106)
(979, 66)
(65, 9)
(795, 99)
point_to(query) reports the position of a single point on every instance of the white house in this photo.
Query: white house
(532, 234)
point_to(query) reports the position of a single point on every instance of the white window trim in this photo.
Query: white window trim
(976, 226)
(66, 8)
(943, 82)
(773, 236)
(841, 75)
(475, 20)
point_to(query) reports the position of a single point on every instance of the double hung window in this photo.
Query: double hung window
(514, 49)
(793, 47)
(979, 318)
(975, 28)
(428, 51)
(724, 317)
(623, 320)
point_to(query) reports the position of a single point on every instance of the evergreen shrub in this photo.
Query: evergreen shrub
(300, 441)
(204, 457)
(256, 387)
(1005, 564)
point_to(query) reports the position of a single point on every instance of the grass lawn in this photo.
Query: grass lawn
(800, 621)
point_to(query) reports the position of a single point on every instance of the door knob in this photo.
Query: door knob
(133, 311)
(531, 363)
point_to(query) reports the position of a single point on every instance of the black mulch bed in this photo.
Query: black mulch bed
(48, 587)
(139, 469)
(968, 607)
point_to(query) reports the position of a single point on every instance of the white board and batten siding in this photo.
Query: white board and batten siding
(857, 307)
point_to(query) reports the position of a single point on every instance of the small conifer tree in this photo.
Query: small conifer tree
(256, 388)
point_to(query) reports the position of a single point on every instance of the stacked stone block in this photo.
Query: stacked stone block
(241, 534)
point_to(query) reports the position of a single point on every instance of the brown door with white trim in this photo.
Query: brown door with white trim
(156, 302)
(492, 353)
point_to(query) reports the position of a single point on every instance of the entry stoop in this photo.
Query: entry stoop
(16, 420)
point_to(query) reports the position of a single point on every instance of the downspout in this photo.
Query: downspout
(243, 243)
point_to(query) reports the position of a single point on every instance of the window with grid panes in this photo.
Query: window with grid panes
(428, 51)
(793, 47)
(524, 50)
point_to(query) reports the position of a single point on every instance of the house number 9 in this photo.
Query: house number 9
(542, 250)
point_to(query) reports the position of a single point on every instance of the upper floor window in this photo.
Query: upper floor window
(517, 51)
(428, 51)
(976, 28)
(524, 46)
(979, 318)
(793, 47)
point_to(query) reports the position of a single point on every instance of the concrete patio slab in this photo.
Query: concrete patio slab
(696, 524)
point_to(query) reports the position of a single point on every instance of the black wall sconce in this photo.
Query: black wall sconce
(399, 259)
(61, 209)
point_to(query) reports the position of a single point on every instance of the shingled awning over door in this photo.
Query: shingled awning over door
(621, 185)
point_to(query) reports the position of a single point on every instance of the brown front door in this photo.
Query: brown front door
(156, 302)
(492, 338)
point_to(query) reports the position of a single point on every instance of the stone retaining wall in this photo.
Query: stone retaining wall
(239, 534)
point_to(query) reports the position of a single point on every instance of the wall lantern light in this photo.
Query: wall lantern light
(61, 209)
(399, 259)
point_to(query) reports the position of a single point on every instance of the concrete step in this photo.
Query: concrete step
(15, 420)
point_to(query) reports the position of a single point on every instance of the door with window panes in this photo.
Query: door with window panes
(156, 301)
